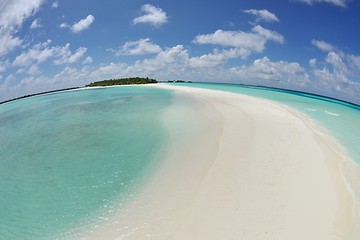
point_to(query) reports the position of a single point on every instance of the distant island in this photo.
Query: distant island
(178, 81)
(122, 81)
(103, 83)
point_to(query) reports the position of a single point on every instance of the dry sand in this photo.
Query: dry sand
(239, 168)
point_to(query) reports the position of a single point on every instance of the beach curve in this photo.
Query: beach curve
(250, 169)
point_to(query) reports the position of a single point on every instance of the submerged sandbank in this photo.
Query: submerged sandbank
(239, 167)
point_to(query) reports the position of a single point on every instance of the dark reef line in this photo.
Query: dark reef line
(40, 93)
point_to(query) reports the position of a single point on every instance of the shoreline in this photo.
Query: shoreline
(289, 91)
(284, 90)
(236, 175)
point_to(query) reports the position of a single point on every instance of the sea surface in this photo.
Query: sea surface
(70, 159)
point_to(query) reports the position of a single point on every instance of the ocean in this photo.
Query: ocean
(71, 159)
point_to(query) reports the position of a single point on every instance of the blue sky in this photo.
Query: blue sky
(306, 45)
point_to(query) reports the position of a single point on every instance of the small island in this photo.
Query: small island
(179, 81)
(122, 81)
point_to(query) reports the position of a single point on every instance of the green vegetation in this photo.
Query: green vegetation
(122, 81)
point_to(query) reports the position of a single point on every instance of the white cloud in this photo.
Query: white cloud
(336, 83)
(8, 43)
(348, 64)
(37, 54)
(323, 46)
(312, 62)
(79, 26)
(334, 75)
(65, 56)
(4, 88)
(262, 15)
(42, 52)
(140, 47)
(82, 24)
(218, 57)
(13, 14)
(253, 41)
(18, 86)
(340, 3)
(336, 62)
(168, 64)
(21, 70)
(152, 15)
(76, 56)
(87, 60)
(268, 34)
(34, 70)
(111, 70)
(35, 24)
(172, 57)
(354, 61)
(66, 74)
(55, 4)
(4, 65)
(64, 25)
(285, 73)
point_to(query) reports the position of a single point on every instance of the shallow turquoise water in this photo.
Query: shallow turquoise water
(70, 156)
(341, 119)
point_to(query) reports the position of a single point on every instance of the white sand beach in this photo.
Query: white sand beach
(240, 168)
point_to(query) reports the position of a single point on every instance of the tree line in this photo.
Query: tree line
(122, 81)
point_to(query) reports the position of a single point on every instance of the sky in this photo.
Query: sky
(305, 45)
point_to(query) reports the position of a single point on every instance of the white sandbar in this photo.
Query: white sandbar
(239, 168)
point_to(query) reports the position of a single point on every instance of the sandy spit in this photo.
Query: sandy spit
(239, 167)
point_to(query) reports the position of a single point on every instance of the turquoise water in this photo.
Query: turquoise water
(69, 157)
(341, 119)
